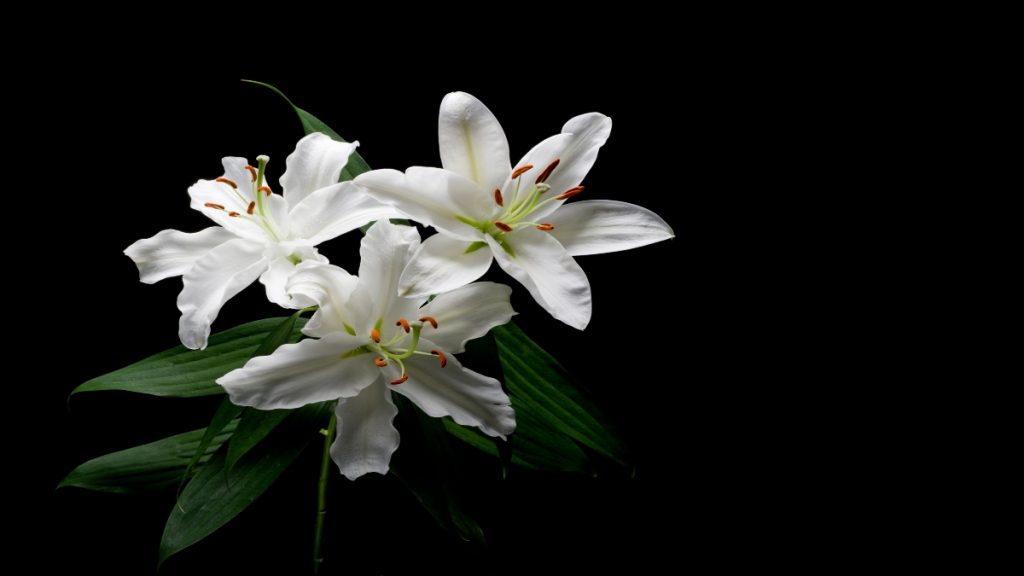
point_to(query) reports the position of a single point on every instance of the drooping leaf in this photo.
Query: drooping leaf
(183, 373)
(147, 467)
(428, 467)
(540, 388)
(356, 165)
(253, 427)
(533, 445)
(228, 411)
(211, 500)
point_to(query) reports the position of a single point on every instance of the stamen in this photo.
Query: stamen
(519, 171)
(252, 206)
(546, 227)
(547, 171)
(497, 198)
(404, 324)
(380, 362)
(375, 335)
(502, 226)
(265, 189)
(212, 205)
(439, 354)
(400, 379)
(224, 180)
(251, 171)
(431, 320)
(569, 193)
(234, 214)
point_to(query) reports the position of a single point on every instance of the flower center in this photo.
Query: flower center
(402, 344)
(256, 209)
(520, 206)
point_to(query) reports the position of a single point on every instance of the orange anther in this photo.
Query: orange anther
(502, 226)
(547, 171)
(439, 354)
(569, 193)
(404, 324)
(375, 335)
(519, 171)
(265, 189)
(380, 362)
(400, 379)
(234, 214)
(546, 227)
(497, 197)
(251, 171)
(224, 180)
(252, 205)
(429, 319)
(212, 205)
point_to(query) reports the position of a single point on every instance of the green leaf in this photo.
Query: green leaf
(225, 414)
(210, 500)
(428, 467)
(541, 391)
(356, 165)
(184, 373)
(254, 426)
(145, 468)
(533, 445)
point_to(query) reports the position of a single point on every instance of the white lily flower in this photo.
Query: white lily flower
(370, 342)
(260, 234)
(484, 210)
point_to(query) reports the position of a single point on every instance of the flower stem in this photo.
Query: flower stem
(321, 495)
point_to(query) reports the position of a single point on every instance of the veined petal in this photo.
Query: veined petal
(330, 288)
(467, 313)
(599, 226)
(556, 281)
(383, 254)
(471, 399)
(316, 163)
(366, 436)
(432, 196)
(213, 280)
(335, 210)
(304, 373)
(218, 200)
(575, 149)
(472, 141)
(172, 253)
(276, 208)
(443, 263)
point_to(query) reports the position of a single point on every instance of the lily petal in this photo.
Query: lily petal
(432, 196)
(471, 399)
(366, 436)
(599, 226)
(316, 163)
(472, 141)
(576, 151)
(334, 210)
(235, 171)
(383, 254)
(213, 280)
(330, 288)
(556, 281)
(280, 270)
(443, 263)
(304, 373)
(172, 253)
(467, 313)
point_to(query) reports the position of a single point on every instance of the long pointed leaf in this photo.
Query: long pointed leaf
(356, 165)
(209, 501)
(183, 373)
(540, 388)
(145, 468)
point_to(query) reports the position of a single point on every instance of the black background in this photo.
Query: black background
(138, 140)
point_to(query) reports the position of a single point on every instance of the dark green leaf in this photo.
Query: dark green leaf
(541, 391)
(210, 500)
(428, 467)
(356, 165)
(185, 373)
(145, 468)
(227, 411)
(533, 444)
(253, 427)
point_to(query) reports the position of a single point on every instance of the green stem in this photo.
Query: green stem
(321, 496)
